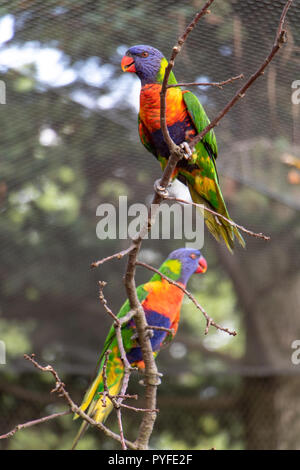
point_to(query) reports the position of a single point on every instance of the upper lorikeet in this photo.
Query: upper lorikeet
(161, 302)
(185, 118)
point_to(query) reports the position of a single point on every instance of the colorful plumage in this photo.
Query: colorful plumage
(185, 118)
(162, 303)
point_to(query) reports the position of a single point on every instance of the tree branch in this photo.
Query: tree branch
(62, 392)
(28, 424)
(118, 255)
(216, 84)
(231, 222)
(280, 39)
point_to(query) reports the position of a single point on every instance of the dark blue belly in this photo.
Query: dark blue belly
(153, 319)
(178, 133)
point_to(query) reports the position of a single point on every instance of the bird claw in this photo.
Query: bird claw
(187, 151)
(163, 192)
(149, 333)
(155, 380)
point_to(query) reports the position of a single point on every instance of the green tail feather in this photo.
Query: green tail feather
(83, 426)
(218, 227)
(93, 400)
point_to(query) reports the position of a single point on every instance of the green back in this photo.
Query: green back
(200, 121)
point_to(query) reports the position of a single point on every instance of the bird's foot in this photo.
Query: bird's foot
(187, 150)
(153, 379)
(149, 333)
(160, 190)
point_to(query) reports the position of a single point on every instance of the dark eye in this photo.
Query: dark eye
(193, 256)
(145, 54)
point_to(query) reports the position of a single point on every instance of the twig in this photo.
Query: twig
(60, 389)
(216, 84)
(119, 416)
(105, 387)
(102, 299)
(280, 39)
(134, 397)
(231, 222)
(170, 331)
(209, 320)
(143, 410)
(118, 255)
(28, 424)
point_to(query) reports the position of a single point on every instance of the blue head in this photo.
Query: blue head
(184, 262)
(146, 61)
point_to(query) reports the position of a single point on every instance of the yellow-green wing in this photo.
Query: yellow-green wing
(202, 176)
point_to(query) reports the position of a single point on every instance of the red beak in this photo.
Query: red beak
(127, 64)
(202, 265)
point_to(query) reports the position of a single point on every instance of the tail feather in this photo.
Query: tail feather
(83, 426)
(93, 397)
(218, 227)
(90, 394)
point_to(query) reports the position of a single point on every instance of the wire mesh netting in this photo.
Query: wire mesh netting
(69, 142)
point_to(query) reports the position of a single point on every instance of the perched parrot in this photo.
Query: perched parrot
(161, 302)
(185, 118)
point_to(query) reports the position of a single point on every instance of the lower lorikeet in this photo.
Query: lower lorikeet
(161, 302)
(185, 118)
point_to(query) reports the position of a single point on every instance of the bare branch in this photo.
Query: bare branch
(28, 424)
(119, 416)
(280, 39)
(118, 255)
(231, 222)
(60, 389)
(216, 84)
(170, 331)
(102, 299)
(144, 410)
(105, 387)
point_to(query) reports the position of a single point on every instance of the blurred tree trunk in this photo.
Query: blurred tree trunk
(267, 285)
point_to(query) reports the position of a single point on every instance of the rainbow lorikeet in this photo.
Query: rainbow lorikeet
(185, 118)
(162, 303)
